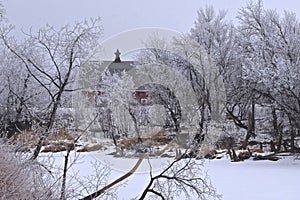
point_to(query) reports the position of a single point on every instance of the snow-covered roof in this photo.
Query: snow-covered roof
(119, 67)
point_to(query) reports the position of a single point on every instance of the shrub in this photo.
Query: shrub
(21, 178)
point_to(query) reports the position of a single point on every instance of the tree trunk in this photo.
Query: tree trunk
(199, 137)
(292, 140)
(277, 135)
(292, 134)
(233, 156)
(47, 131)
(136, 125)
(279, 142)
(251, 125)
(273, 148)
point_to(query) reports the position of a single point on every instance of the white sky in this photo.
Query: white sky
(123, 15)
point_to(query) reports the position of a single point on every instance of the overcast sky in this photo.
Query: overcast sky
(123, 15)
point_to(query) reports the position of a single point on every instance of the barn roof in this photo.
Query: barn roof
(119, 67)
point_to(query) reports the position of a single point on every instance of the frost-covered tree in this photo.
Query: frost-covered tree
(219, 38)
(18, 95)
(203, 84)
(15, 99)
(51, 58)
(270, 49)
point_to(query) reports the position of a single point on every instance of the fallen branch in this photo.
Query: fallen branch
(101, 191)
(267, 157)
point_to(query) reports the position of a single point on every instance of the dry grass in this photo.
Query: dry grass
(95, 147)
(54, 148)
(257, 150)
(57, 146)
(59, 140)
(62, 134)
(244, 155)
(156, 139)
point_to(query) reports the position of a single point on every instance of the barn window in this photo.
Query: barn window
(144, 101)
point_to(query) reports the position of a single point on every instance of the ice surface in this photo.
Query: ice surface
(248, 180)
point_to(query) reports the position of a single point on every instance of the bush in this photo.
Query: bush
(21, 178)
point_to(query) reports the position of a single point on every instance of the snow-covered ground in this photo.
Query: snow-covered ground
(259, 180)
(248, 180)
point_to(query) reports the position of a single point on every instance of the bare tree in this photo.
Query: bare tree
(175, 180)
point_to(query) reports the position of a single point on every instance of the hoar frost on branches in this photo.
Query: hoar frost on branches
(21, 178)
(51, 57)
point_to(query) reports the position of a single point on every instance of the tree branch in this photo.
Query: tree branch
(101, 191)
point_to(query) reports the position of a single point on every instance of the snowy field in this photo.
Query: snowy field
(248, 180)
(256, 180)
